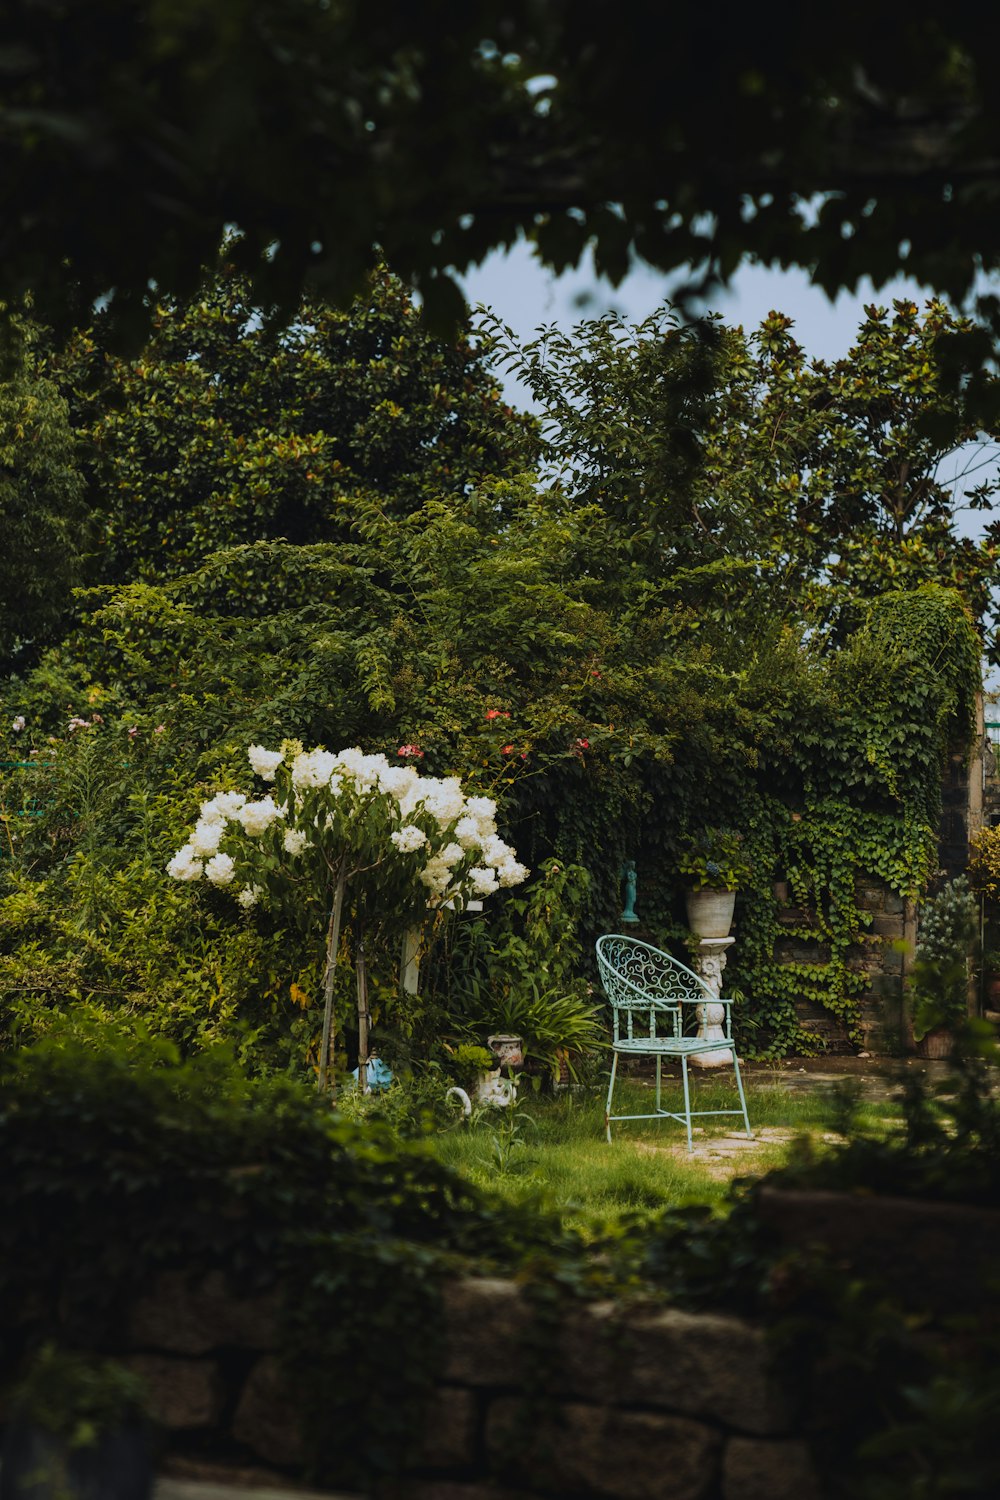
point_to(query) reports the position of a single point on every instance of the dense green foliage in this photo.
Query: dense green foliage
(226, 431)
(664, 634)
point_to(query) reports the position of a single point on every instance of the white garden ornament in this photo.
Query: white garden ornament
(333, 820)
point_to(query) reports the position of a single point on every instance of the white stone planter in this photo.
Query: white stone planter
(710, 912)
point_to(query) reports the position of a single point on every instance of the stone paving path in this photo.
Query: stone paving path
(720, 1155)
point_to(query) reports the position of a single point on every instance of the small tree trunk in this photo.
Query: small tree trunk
(362, 978)
(332, 949)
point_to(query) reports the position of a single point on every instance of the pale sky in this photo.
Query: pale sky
(524, 296)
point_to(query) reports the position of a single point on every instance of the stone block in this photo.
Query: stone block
(893, 904)
(193, 1314)
(781, 892)
(183, 1393)
(870, 897)
(487, 1323)
(267, 1418)
(756, 1470)
(449, 1430)
(889, 927)
(580, 1450)
(696, 1364)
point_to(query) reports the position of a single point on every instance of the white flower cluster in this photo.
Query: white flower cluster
(264, 763)
(408, 838)
(201, 856)
(257, 817)
(458, 843)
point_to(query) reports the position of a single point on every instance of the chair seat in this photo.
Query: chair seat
(676, 1046)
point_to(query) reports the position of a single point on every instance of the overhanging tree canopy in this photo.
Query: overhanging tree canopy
(133, 133)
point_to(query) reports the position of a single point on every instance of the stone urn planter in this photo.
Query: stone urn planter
(710, 912)
(507, 1049)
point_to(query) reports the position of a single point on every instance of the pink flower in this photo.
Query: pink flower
(133, 731)
(160, 728)
(409, 750)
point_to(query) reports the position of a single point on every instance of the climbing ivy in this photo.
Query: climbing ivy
(860, 799)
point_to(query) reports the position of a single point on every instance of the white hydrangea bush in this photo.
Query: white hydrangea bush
(411, 840)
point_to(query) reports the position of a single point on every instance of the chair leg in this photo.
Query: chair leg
(659, 1065)
(611, 1089)
(739, 1086)
(687, 1101)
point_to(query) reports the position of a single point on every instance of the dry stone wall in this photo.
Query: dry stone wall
(620, 1404)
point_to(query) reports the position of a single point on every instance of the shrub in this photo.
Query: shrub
(939, 982)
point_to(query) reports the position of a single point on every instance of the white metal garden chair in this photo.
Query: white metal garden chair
(654, 1007)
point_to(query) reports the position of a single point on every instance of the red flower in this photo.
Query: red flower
(583, 744)
(409, 750)
(506, 749)
(497, 713)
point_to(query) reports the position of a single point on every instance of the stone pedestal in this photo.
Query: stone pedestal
(708, 963)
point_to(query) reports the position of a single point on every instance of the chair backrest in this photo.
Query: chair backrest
(640, 979)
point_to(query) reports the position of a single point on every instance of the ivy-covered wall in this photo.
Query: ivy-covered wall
(881, 960)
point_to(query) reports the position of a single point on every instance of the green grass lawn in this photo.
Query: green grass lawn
(554, 1150)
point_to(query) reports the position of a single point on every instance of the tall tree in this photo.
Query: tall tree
(225, 430)
(737, 472)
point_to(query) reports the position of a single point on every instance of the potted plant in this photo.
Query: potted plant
(78, 1430)
(470, 1064)
(938, 990)
(716, 865)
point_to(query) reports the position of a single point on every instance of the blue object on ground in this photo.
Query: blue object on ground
(379, 1075)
